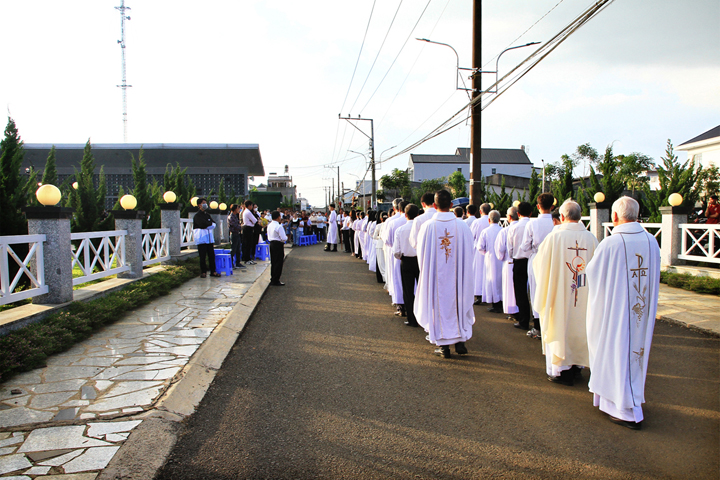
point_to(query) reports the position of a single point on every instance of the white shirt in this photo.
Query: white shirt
(417, 223)
(276, 232)
(347, 221)
(514, 239)
(248, 218)
(536, 231)
(401, 246)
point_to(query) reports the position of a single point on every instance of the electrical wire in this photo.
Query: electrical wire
(357, 62)
(397, 56)
(378, 54)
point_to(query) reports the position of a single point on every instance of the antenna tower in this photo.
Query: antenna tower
(122, 8)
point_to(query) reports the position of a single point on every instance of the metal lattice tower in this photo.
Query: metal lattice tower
(122, 8)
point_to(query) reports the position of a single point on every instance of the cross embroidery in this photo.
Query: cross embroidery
(577, 266)
(446, 244)
(639, 272)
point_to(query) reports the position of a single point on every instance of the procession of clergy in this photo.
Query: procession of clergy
(592, 304)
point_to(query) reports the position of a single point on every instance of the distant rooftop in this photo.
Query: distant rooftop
(712, 133)
(487, 155)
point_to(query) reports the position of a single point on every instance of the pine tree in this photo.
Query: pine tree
(50, 171)
(121, 193)
(222, 197)
(89, 201)
(534, 189)
(141, 191)
(15, 192)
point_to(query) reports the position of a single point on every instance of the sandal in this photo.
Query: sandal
(203, 275)
(215, 274)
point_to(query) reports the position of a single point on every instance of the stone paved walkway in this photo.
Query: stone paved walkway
(689, 308)
(56, 419)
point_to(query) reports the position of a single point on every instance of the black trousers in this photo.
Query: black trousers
(277, 257)
(520, 281)
(378, 274)
(206, 249)
(236, 248)
(410, 272)
(248, 243)
(346, 239)
(351, 240)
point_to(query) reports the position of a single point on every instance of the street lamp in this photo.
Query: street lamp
(457, 64)
(386, 151)
(497, 62)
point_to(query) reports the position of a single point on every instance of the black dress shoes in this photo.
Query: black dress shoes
(460, 348)
(443, 351)
(568, 382)
(477, 302)
(521, 325)
(494, 310)
(413, 324)
(277, 284)
(625, 423)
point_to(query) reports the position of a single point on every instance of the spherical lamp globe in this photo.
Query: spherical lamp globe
(214, 205)
(128, 202)
(599, 197)
(516, 203)
(223, 206)
(193, 201)
(169, 197)
(75, 185)
(48, 195)
(675, 199)
(555, 202)
(492, 205)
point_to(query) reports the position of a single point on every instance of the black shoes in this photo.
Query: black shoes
(400, 312)
(477, 301)
(443, 351)
(625, 423)
(522, 325)
(460, 348)
(497, 307)
(277, 284)
(411, 324)
(566, 377)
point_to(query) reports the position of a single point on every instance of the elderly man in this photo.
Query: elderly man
(623, 282)
(561, 294)
(492, 291)
(508, 291)
(444, 299)
(476, 228)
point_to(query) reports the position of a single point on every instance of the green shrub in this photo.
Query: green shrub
(29, 347)
(706, 285)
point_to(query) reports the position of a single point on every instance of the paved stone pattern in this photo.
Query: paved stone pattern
(124, 367)
(689, 308)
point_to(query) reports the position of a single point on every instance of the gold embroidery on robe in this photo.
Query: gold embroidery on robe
(446, 245)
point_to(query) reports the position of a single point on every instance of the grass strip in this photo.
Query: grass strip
(707, 285)
(28, 347)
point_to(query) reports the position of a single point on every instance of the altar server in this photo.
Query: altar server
(623, 283)
(492, 291)
(409, 269)
(380, 249)
(427, 201)
(471, 214)
(332, 235)
(561, 294)
(444, 297)
(394, 264)
(520, 257)
(508, 291)
(535, 232)
(476, 228)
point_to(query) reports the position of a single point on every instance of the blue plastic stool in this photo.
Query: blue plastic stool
(313, 239)
(262, 251)
(304, 240)
(223, 263)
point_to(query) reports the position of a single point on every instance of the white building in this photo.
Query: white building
(495, 161)
(704, 149)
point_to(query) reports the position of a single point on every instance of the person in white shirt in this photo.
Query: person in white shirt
(409, 270)
(346, 231)
(277, 239)
(428, 204)
(535, 232)
(492, 290)
(471, 214)
(520, 258)
(508, 291)
(249, 237)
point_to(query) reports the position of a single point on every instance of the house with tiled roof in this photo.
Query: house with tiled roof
(495, 161)
(704, 149)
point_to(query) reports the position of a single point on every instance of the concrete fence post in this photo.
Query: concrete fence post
(217, 232)
(54, 223)
(170, 218)
(131, 220)
(671, 235)
(599, 214)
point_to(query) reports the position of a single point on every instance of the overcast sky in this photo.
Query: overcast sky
(278, 73)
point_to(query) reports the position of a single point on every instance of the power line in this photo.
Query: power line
(359, 55)
(378, 55)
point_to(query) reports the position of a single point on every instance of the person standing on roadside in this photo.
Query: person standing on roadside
(235, 236)
(277, 239)
(248, 233)
(203, 226)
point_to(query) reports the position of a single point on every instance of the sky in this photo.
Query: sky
(279, 73)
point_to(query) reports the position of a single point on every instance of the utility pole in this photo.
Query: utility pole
(476, 192)
(122, 8)
(371, 137)
(333, 190)
(339, 192)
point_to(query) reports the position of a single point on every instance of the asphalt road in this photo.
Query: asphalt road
(326, 383)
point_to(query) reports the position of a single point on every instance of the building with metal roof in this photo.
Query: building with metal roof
(495, 161)
(704, 149)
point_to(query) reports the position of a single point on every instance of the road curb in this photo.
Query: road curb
(150, 444)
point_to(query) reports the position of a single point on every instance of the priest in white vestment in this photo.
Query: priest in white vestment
(501, 252)
(380, 249)
(371, 241)
(535, 232)
(471, 212)
(332, 235)
(561, 294)
(444, 297)
(623, 282)
(392, 267)
(428, 204)
(476, 228)
(356, 236)
(492, 291)
(387, 250)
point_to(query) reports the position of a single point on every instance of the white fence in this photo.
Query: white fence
(155, 245)
(586, 221)
(655, 229)
(8, 285)
(109, 255)
(187, 239)
(700, 243)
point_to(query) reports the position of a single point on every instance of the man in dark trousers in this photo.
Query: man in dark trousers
(409, 270)
(277, 238)
(248, 233)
